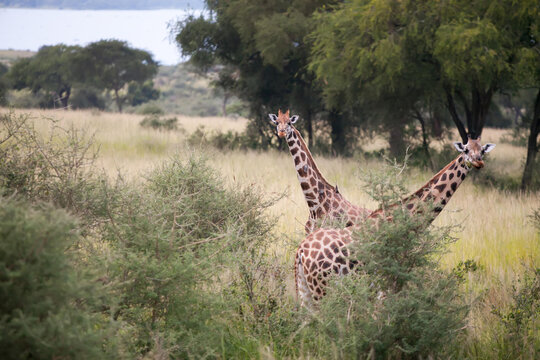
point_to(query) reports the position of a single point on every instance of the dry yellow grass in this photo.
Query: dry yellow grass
(496, 231)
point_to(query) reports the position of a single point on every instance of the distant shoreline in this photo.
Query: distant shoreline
(97, 9)
(104, 5)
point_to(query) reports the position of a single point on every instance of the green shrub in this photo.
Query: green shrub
(57, 167)
(223, 141)
(49, 308)
(190, 263)
(155, 122)
(87, 98)
(520, 336)
(150, 109)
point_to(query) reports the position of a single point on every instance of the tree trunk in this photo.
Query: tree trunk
(337, 122)
(481, 100)
(453, 112)
(397, 143)
(532, 146)
(309, 128)
(64, 98)
(118, 100)
(436, 124)
(224, 104)
(425, 145)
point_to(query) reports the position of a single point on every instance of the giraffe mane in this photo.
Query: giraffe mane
(420, 191)
(431, 181)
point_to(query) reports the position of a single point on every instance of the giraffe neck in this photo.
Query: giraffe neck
(439, 189)
(314, 185)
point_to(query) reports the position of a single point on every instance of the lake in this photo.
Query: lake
(29, 29)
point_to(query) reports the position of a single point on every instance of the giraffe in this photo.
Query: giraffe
(325, 250)
(324, 201)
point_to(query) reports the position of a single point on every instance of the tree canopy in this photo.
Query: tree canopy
(263, 48)
(51, 70)
(103, 65)
(112, 64)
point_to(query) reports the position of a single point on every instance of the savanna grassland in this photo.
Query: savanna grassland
(495, 227)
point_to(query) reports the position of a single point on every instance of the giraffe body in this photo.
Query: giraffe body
(325, 250)
(324, 201)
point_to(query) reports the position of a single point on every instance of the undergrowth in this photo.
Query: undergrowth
(179, 265)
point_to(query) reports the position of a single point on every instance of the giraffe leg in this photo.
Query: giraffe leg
(303, 293)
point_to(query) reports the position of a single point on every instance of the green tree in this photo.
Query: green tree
(263, 49)
(408, 56)
(52, 69)
(112, 64)
(368, 54)
(527, 75)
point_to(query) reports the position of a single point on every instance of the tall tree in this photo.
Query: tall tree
(369, 54)
(404, 55)
(263, 44)
(51, 69)
(112, 64)
(526, 21)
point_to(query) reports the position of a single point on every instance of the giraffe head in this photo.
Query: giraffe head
(473, 152)
(283, 122)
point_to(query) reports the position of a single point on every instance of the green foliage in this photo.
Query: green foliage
(190, 261)
(155, 122)
(150, 109)
(87, 98)
(423, 58)
(520, 331)
(50, 309)
(263, 54)
(112, 64)
(139, 93)
(187, 268)
(222, 141)
(52, 69)
(58, 169)
(465, 267)
(107, 64)
(186, 262)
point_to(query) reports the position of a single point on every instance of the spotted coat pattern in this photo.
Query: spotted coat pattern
(325, 251)
(325, 202)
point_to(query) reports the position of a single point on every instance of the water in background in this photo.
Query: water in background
(29, 29)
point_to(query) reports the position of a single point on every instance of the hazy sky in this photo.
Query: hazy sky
(28, 29)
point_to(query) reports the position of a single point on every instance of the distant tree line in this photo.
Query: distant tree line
(103, 66)
(104, 4)
(410, 70)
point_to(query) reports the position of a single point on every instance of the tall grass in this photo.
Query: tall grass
(496, 230)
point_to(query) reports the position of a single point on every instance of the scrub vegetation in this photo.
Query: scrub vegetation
(123, 241)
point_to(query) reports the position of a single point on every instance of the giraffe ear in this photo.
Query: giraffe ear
(459, 146)
(273, 118)
(293, 119)
(488, 147)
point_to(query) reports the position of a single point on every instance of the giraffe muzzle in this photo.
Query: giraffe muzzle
(281, 134)
(478, 164)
